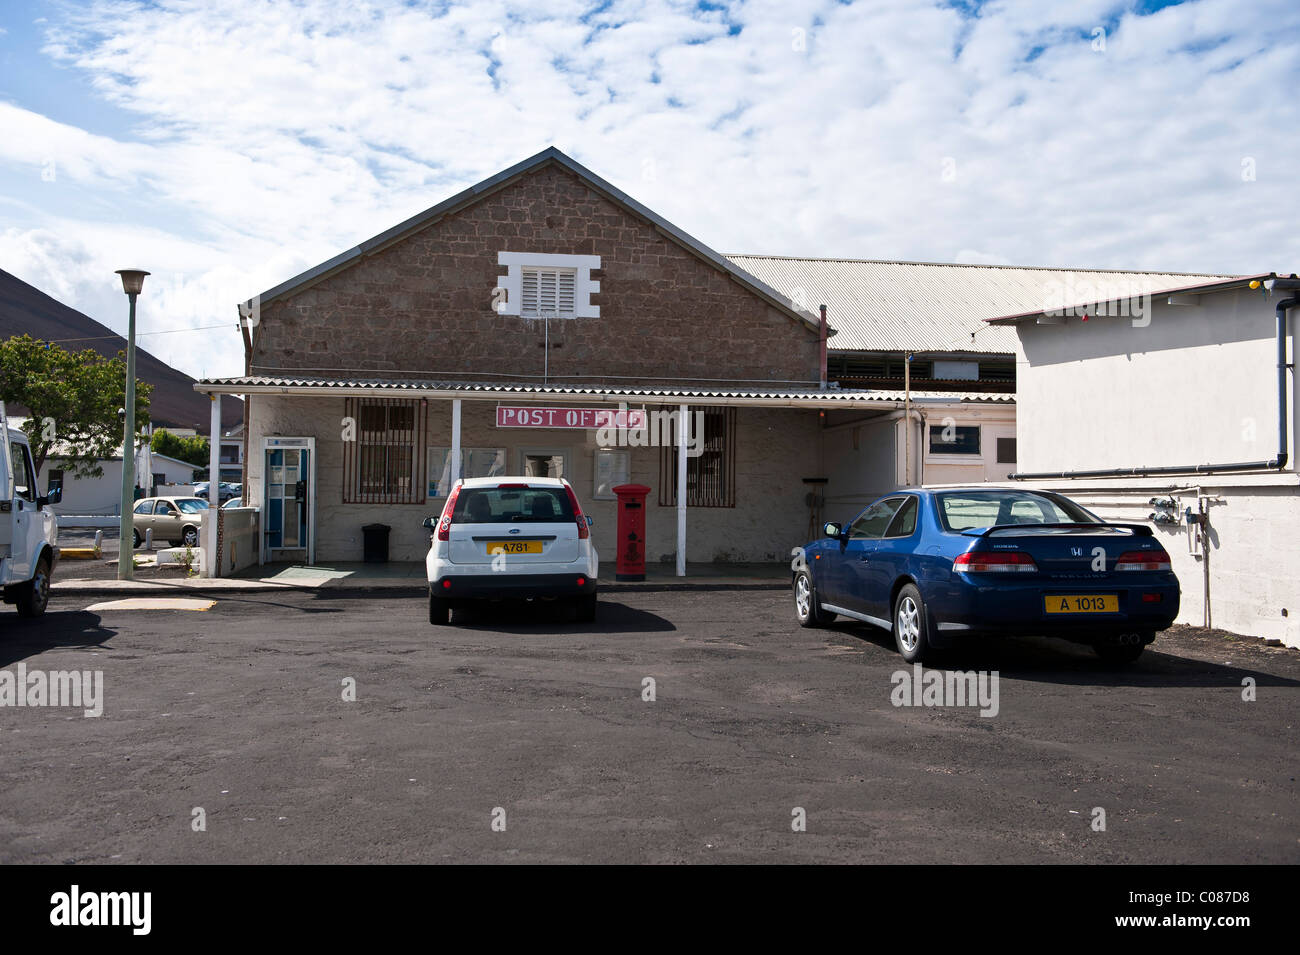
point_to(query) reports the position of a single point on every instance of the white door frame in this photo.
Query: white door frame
(281, 443)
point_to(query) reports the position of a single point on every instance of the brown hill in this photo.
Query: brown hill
(26, 310)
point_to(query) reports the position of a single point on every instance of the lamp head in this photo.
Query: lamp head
(132, 280)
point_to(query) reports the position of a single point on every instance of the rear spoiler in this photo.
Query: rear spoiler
(1139, 530)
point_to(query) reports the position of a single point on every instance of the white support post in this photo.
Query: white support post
(455, 441)
(683, 423)
(214, 490)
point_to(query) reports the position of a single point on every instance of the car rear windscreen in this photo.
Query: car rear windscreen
(962, 510)
(512, 505)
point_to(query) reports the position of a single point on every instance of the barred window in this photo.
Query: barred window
(383, 463)
(711, 475)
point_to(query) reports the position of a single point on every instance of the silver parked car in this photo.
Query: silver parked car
(176, 520)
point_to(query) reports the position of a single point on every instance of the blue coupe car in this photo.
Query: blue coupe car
(941, 566)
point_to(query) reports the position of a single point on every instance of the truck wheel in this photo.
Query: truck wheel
(439, 613)
(34, 595)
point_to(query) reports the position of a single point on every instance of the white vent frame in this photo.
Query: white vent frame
(512, 282)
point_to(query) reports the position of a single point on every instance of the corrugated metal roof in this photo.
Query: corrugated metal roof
(933, 306)
(255, 384)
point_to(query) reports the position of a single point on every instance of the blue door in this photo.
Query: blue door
(860, 578)
(889, 558)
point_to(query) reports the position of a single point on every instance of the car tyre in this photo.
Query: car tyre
(912, 625)
(807, 610)
(584, 608)
(34, 595)
(190, 537)
(439, 611)
(136, 539)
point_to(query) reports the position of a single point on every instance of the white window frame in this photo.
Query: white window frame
(512, 282)
(955, 457)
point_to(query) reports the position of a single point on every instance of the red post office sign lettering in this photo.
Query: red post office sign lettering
(524, 416)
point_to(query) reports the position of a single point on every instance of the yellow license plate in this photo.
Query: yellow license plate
(1078, 603)
(514, 547)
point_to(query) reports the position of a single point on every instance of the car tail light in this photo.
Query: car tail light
(444, 522)
(1144, 560)
(1152, 598)
(583, 530)
(990, 562)
(512, 487)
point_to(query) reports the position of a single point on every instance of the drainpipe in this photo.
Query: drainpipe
(1278, 462)
(907, 420)
(823, 347)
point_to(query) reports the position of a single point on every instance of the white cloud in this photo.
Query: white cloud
(271, 136)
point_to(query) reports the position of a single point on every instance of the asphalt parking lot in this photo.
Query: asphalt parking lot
(523, 718)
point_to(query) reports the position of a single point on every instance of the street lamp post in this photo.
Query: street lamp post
(132, 283)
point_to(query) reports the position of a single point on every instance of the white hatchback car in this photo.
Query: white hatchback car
(511, 537)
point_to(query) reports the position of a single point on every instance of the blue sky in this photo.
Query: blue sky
(225, 145)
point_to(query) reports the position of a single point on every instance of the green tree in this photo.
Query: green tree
(193, 450)
(72, 398)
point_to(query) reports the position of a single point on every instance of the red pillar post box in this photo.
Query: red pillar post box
(631, 531)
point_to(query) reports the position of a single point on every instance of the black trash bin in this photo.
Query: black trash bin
(375, 543)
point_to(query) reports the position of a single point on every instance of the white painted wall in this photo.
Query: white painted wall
(1255, 554)
(1195, 385)
(994, 421)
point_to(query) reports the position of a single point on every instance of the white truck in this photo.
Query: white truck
(29, 531)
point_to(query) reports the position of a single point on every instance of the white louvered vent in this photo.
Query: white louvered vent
(548, 292)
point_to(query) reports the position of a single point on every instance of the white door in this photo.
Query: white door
(25, 521)
(6, 493)
(999, 451)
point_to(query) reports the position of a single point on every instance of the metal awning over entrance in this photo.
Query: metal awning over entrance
(669, 394)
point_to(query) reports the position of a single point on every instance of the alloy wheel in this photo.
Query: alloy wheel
(802, 597)
(908, 623)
